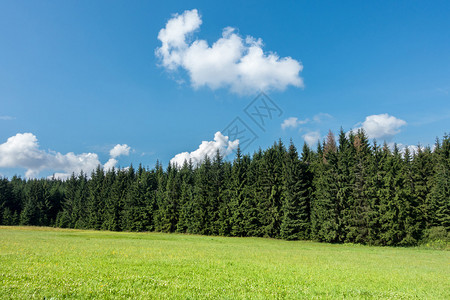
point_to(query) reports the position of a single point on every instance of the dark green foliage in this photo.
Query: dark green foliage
(326, 212)
(439, 197)
(271, 188)
(345, 191)
(295, 205)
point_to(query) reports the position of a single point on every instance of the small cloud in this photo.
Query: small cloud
(293, 122)
(311, 138)
(115, 152)
(7, 118)
(233, 62)
(147, 153)
(381, 126)
(119, 150)
(207, 148)
(321, 117)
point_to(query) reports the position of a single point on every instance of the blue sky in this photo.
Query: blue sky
(86, 76)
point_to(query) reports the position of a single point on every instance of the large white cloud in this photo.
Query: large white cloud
(381, 126)
(231, 62)
(22, 151)
(207, 148)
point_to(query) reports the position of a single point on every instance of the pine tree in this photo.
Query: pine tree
(200, 223)
(6, 202)
(32, 209)
(295, 221)
(345, 179)
(439, 197)
(269, 205)
(237, 183)
(111, 219)
(325, 209)
(423, 172)
(225, 209)
(185, 202)
(80, 203)
(361, 206)
(95, 200)
(168, 208)
(216, 197)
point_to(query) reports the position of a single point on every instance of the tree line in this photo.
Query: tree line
(347, 190)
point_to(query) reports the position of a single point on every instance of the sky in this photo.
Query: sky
(115, 83)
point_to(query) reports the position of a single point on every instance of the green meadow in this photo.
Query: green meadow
(40, 263)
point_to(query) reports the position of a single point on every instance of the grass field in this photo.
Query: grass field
(56, 263)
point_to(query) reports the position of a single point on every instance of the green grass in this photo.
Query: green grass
(44, 263)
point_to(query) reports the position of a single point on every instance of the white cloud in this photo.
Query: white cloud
(111, 163)
(311, 138)
(293, 122)
(381, 126)
(207, 148)
(231, 62)
(22, 151)
(7, 118)
(119, 150)
(115, 152)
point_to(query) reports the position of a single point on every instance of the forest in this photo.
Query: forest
(347, 190)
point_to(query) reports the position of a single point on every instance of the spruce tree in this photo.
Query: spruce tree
(325, 209)
(295, 221)
(361, 207)
(439, 197)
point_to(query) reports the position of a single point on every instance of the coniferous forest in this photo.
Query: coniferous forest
(345, 190)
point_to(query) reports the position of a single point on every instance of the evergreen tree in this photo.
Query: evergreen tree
(112, 195)
(269, 205)
(325, 209)
(168, 208)
(6, 202)
(249, 205)
(237, 183)
(362, 208)
(186, 198)
(439, 197)
(295, 222)
(422, 173)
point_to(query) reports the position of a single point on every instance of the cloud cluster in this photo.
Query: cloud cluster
(381, 126)
(231, 62)
(207, 148)
(22, 151)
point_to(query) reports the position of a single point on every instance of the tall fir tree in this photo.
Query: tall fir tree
(295, 221)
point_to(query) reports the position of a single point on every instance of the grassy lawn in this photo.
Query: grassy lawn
(44, 262)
